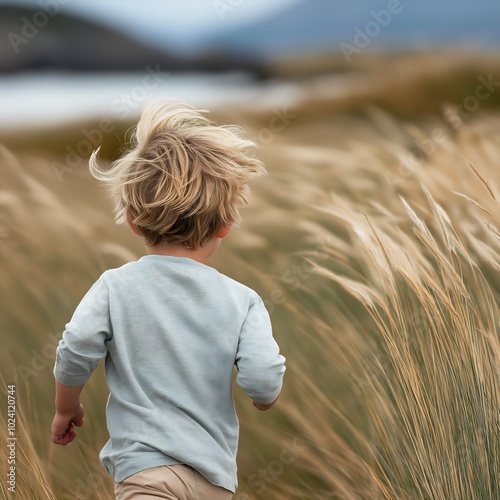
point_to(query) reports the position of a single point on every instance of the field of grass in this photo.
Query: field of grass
(375, 244)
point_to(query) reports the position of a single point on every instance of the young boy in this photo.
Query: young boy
(171, 328)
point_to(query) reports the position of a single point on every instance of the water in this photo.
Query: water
(41, 99)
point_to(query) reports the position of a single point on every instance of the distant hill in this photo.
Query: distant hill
(33, 40)
(323, 25)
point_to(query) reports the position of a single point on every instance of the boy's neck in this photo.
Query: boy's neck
(199, 255)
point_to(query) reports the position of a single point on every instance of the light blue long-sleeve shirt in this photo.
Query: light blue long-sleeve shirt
(171, 330)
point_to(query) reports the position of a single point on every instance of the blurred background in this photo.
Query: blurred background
(67, 60)
(352, 106)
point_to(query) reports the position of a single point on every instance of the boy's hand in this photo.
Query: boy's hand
(63, 425)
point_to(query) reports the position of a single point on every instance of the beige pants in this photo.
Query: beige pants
(175, 482)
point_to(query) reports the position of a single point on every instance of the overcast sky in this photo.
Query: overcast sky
(160, 18)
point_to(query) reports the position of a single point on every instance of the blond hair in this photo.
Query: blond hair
(184, 177)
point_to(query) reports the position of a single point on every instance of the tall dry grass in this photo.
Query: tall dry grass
(423, 363)
(383, 290)
(396, 323)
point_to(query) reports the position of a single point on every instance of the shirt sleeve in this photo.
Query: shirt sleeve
(260, 365)
(84, 339)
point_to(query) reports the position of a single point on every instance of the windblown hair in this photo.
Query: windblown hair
(184, 177)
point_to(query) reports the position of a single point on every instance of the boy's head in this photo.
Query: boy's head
(184, 178)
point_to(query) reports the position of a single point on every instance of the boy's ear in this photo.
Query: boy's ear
(131, 224)
(223, 232)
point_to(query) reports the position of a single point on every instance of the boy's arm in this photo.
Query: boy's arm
(83, 344)
(69, 412)
(259, 363)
